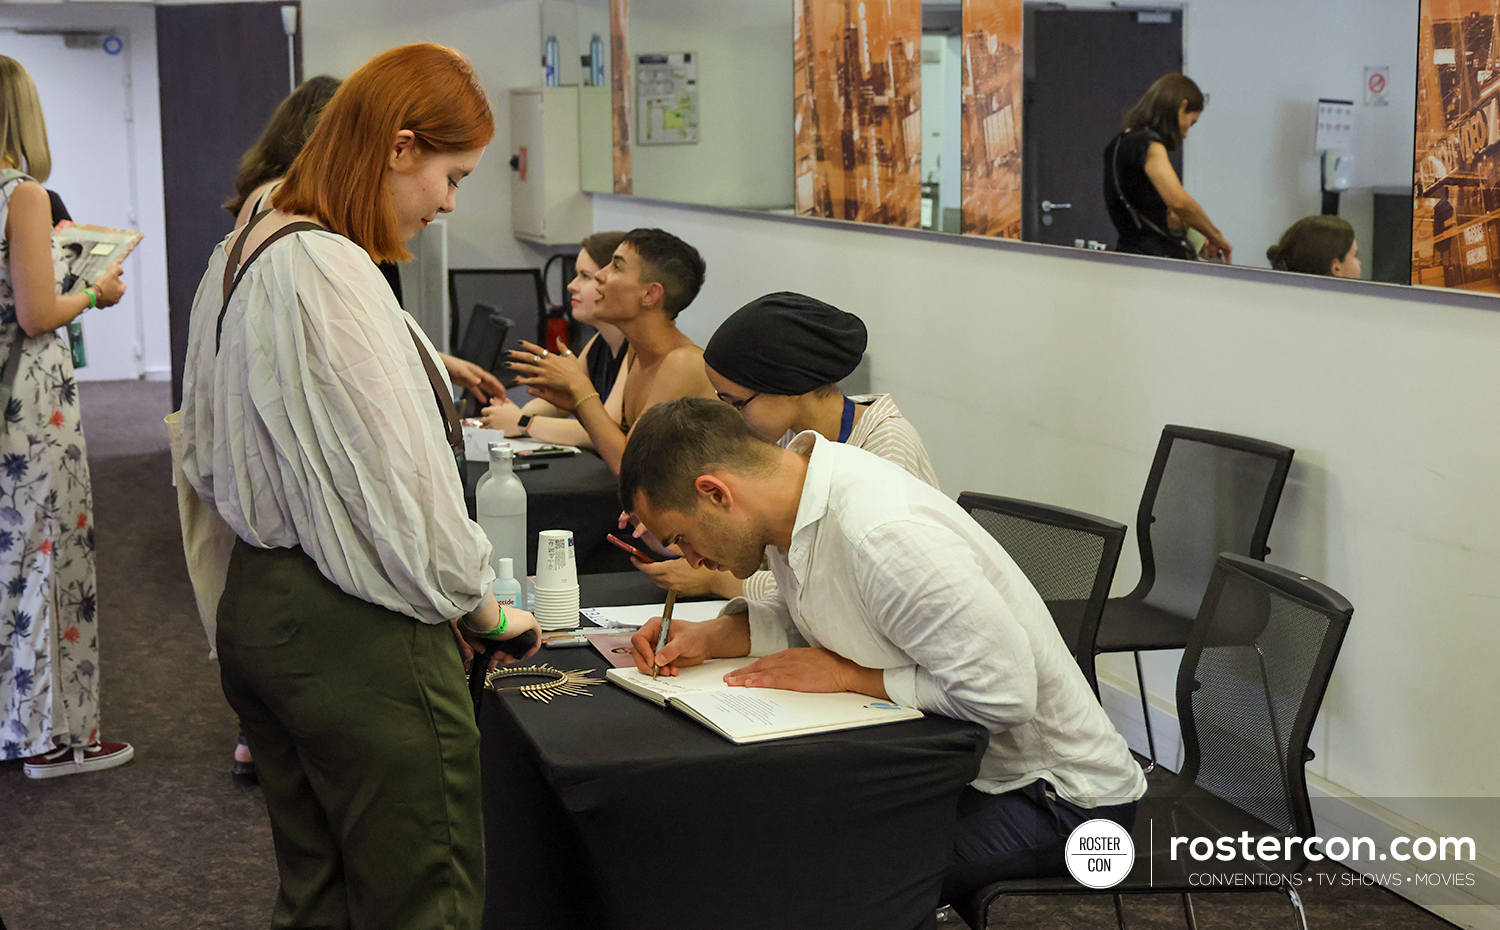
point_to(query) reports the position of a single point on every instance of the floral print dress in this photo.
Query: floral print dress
(49, 643)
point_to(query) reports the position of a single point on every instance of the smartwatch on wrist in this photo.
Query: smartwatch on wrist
(523, 423)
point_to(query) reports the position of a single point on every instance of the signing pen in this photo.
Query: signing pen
(661, 639)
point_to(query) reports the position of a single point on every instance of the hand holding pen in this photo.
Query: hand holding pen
(684, 644)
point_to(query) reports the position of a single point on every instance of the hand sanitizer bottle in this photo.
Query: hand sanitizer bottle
(507, 588)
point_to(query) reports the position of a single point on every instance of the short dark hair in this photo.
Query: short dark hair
(601, 246)
(675, 442)
(1158, 107)
(1312, 245)
(670, 262)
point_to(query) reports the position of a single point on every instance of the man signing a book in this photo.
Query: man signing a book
(884, 587)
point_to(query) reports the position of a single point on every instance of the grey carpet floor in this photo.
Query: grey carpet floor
(167, 842)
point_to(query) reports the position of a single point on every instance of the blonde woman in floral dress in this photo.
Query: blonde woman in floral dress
(49, 640)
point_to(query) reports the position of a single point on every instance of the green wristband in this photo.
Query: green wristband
(93, 297)
(499, 629)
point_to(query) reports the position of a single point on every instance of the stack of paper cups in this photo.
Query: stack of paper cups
(555, 602)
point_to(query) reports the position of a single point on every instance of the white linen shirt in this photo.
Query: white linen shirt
(887, 572)
(315, 425)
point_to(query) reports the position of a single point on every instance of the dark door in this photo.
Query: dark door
(223, 69)
(1085, 69)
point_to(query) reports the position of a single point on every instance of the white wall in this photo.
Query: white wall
(744, 154)
(502, 40)
(1048, 374)
(111, 336)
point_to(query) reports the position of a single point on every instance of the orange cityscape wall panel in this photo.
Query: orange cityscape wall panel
(1456, 220)
(620, 91)
(992, 118)
(857, 74)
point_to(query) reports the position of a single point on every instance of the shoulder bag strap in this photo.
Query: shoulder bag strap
(232, 283)
(453, 430)
(237, 250)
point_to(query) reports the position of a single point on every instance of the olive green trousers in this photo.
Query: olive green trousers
(365, 744)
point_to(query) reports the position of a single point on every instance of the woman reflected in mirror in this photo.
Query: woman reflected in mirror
(1147, 203)
(1317, 245)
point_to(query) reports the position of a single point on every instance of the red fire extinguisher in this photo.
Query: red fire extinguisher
(559, 315)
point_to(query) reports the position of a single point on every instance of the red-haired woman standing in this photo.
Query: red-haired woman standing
(313, 422)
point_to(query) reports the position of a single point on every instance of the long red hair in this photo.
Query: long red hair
(339, 177)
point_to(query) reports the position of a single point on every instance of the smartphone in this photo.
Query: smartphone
(630, 549)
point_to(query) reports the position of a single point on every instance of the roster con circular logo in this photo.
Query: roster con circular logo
(1100, 853)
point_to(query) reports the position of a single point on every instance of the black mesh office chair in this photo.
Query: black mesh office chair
(1207, 493)
(1252, 679)
(483, 344)
(515, 292)
(1069, 557)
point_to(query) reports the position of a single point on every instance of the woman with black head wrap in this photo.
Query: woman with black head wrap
(778, 361)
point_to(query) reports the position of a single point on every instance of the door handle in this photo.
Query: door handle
(1048, 206)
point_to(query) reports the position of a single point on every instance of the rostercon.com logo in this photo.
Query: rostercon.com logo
(1100, 853)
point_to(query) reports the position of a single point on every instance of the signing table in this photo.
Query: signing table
(607, 811)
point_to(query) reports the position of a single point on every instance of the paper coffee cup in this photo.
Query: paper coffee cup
(556, 562)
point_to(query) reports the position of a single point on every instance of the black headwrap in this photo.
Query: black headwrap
(787, 343)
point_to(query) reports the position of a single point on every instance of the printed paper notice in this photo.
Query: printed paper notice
(666, 90)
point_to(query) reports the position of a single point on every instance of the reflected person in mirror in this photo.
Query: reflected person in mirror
(1317, 245)
(1146, 200)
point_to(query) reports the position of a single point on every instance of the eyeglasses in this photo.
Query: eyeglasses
(737, 404)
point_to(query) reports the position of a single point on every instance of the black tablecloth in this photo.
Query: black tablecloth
(607, 811)
(577, 493)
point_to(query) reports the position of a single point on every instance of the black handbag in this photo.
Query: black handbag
(1157, 241)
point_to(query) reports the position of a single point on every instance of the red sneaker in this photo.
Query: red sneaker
(67, 760)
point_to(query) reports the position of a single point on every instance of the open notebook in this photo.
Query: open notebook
(753, 715)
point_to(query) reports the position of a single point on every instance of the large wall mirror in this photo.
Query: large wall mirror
(1251, 161)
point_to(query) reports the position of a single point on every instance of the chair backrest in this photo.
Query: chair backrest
(515, 292)
(1251, 681)
(1208, 492)
(484, 338)
(1068, 556)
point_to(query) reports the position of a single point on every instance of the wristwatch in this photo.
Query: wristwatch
(523, 423)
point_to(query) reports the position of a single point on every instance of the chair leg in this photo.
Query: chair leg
(1120, 911)
(1187, 910)
(1296, 900)
(1140, 678)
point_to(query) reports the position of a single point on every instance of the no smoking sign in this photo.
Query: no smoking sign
(1377, 86)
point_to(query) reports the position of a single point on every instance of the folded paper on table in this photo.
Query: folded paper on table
(753, 715)
(637, 614)
(613, 644)
(477, 441)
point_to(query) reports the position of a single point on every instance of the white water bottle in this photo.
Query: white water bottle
(500, 505)
(507, 588)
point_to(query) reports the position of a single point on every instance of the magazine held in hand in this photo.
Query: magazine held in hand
(88, 251)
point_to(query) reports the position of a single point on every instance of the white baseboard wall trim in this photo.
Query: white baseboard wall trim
(1338, 813)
